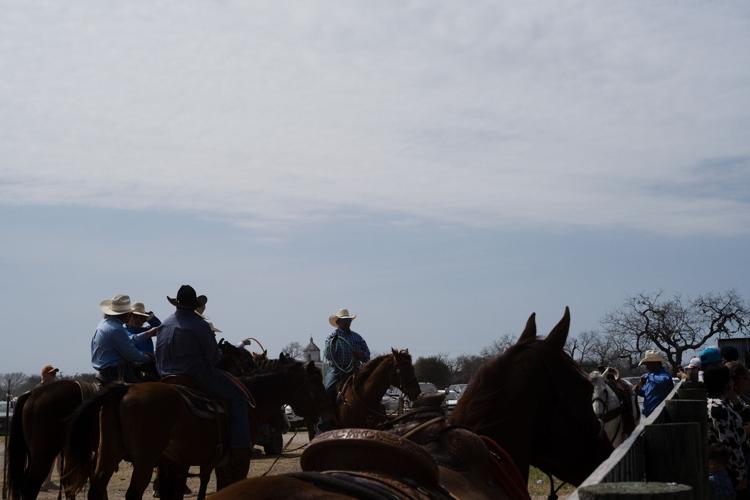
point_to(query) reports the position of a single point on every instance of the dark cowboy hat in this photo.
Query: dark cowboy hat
(186, 298)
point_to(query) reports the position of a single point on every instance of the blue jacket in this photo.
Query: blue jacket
(186, 346)
(144, 343)
(655, 389)
(111, 345)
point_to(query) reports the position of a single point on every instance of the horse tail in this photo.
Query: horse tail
(18, 449)
(82, 444)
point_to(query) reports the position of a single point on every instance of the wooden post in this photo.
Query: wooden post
(674, 453)
(685, 411)
(636, 491)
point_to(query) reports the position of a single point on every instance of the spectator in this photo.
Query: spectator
(693, 370)
(49, 374)
(655, 385)
(710, 356)
(718, 477)
(725, 427)
(729, 353)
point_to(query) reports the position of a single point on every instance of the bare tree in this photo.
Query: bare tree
(498, 346)
(580, 346)
(293, 349)
(673, 325)
(12, 382)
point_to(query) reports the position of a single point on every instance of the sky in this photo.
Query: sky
(441, 169)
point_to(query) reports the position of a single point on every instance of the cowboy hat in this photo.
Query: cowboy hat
(119, 304)
(187, 299)
(342, 314)
(140, 310)
(611, 371)
(48, 369)
(213, 328)
(694, 363)
(652, 357)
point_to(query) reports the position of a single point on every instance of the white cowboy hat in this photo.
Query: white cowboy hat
(342, 314)
(652, 357)
(213, 328)
(613, 372)
(140, 310)
(119, 304)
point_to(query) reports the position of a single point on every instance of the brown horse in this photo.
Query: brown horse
(532, 401)
(359, 400)
(149, 424)
(39, 424)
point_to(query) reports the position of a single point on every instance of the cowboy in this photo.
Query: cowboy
(655, 385)
(48, 374)
(112, 350)
(135, 325)
(345, 351)
(186, 346)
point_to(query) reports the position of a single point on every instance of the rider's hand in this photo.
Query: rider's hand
(153, 331)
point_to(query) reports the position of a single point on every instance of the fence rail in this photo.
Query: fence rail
(667, 446)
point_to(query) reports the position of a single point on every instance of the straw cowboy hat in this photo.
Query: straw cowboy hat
(119, 304)
(342, 314)
(652, 357)
(140, 310)
(187, 299)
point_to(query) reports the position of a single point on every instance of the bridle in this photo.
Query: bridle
(608, 415)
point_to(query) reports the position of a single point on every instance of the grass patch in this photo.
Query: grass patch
(539, 484)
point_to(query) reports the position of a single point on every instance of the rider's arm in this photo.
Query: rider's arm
(209, 347)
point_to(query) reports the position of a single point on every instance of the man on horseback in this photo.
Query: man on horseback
(186, 346)
(136, 324)
(345, 351)
(112, 350)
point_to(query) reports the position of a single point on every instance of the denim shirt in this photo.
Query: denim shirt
(657, 386)
(186, 346)
(339, 349)
(144, 343)
(111, 345)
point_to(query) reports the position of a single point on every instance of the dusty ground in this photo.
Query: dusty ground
(288, 462)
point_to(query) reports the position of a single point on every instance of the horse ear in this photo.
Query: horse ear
(529, 333)
(394, 351)
(310, 367)
(559, 333)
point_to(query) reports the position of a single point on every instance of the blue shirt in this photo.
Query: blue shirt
(143, 342)
(186, 346)
(111, 345)
(655, 389)
(338, 352)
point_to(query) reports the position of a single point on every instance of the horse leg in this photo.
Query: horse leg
(205, 476)
(39, 467)
(172, 478)
(139, 481)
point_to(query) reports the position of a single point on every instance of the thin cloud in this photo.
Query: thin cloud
(276, 114)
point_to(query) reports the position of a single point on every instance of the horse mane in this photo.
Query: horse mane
(364, 373)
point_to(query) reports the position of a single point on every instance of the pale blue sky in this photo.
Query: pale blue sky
(442, 169)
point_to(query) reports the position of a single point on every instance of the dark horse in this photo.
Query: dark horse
(39, 424)
(150, 425)
(532, 401)
(359, 400)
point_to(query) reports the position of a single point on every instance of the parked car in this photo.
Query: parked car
(452, 394)
(4, 424)
(270, 435)
(428, 388)
(295, 421)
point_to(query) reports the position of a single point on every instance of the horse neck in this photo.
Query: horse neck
(372, 384)
(271, 390)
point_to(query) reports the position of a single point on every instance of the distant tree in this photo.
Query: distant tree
(12, 381)
(85, 377)
(28, 384)
(465, 366)
(433, 369)
(293, 349)
(580, 347)
(499, 346)
(673, 325)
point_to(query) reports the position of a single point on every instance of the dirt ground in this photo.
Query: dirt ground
(260, 464)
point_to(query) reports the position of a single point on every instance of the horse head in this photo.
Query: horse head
(535, 402)
(235, 360)
(603, 398)
(402, 375)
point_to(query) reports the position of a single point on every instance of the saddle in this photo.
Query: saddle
(429, 455)
(625, 395)
(199, 404)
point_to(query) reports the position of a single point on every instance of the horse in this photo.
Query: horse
(529, 405)
(39, 424)
(614, 405)
(360, 395)
(151, 425)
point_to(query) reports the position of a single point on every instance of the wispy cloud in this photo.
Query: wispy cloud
(280, 113)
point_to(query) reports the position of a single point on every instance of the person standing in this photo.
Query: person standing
(186, 346)
(656, 384)
(345, 351)
(48, 374)
(112, 350)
